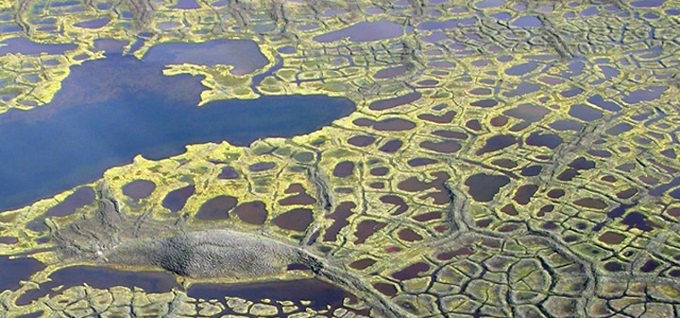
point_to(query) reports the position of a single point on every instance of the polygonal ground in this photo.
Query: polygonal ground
(506, 158)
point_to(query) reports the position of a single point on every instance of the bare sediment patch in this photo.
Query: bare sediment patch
(208, 254)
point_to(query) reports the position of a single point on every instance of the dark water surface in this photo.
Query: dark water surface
(243, 55)
(318, 292)
(363, 32)
(14, 270)
(112, 109)
(28, 47)
(94, 23)
(102, 278)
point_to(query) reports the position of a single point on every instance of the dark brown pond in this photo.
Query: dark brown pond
(367, 228)
(411, 271)
(176, 199)
(447, 146)
(138, 189)
(339, 215)
(343, 169)
(216, 208)
(295, 219)
(300, 197)
(483, 187)
(253, 212)
(394, 102)
(496, 143)
(360, 141)
(401, 206)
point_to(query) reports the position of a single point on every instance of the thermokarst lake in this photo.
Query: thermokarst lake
(110, 110)
(437, 158)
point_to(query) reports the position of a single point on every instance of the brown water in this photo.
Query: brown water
(138, 189)
(294, 220)
(216, 208)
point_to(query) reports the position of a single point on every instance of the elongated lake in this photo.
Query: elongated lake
(112, 109)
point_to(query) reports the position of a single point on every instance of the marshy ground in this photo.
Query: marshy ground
(505, 158)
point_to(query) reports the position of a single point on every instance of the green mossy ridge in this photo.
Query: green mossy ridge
(550, 231)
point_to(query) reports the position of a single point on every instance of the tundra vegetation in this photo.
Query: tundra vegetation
(505, 159)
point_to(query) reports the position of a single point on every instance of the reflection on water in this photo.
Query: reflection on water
(96, 122)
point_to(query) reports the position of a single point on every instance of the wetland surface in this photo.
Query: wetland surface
(483, 158)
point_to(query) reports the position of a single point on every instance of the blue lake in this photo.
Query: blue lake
(112, 109)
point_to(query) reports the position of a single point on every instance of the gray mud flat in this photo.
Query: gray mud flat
(206, 254)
